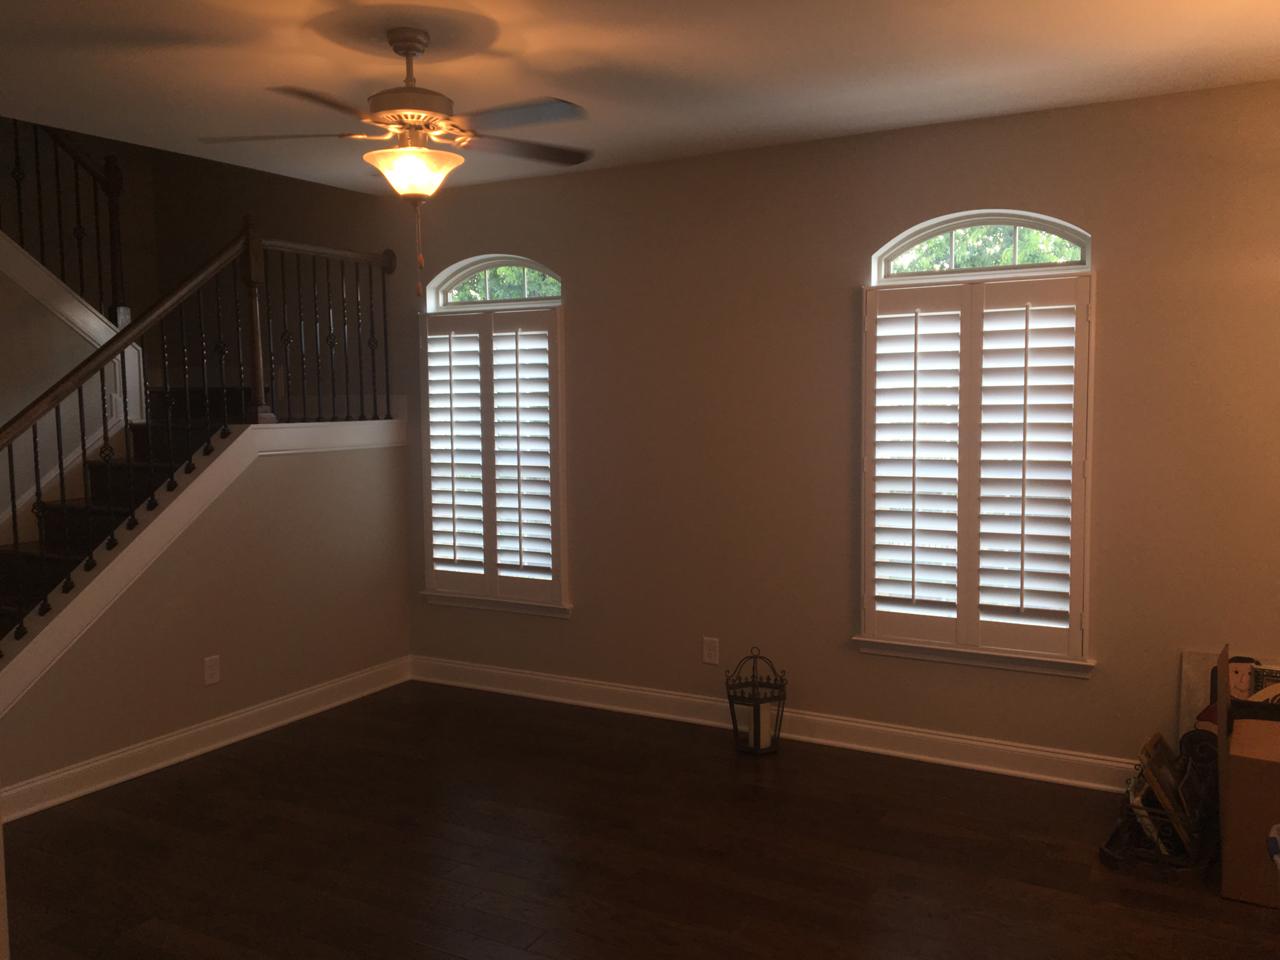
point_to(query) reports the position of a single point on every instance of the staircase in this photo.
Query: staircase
(266, 331)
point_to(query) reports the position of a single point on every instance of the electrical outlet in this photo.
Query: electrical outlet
(212, 670)
(711, 650)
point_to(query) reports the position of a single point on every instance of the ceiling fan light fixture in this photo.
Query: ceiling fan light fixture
(414, 172)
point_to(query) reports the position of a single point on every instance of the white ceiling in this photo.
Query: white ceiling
(659, 78)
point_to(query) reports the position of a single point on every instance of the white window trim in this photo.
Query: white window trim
(437, 290)
(867, 641)
(884, 257)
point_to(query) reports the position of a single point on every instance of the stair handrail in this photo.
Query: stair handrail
(66, 385)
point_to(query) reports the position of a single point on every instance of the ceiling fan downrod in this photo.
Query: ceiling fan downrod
(408, 42)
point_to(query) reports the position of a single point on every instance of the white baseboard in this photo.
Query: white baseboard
(975, 753)
(38, 793)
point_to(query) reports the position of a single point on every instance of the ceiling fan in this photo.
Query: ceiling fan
(418, 118)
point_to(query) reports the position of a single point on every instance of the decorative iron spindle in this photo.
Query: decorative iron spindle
(169, 402)
(332, 340)
(148, 417)
(388, 264)
(19, 174)
(346, 349)
(67, 583)
(41, 549)
(57, 196)
(315, 340)
(20, 594)
(127, 440)
(106, 452)
(79, 228)
(35, 166)
(190, 465)
(89, 561)
(373, 345)
(302, 329)
(235, 291)
(359, 337)
(286, 338)
(207, 449)
(221, 349)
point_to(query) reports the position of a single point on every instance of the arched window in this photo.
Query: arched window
(974, 409)
(493, 280)
(491, 414)
(979, 243)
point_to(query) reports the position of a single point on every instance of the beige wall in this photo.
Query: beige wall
(713, 423)
(295, 575)
(713, 405)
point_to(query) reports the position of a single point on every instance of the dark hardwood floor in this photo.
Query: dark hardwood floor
(429, 822)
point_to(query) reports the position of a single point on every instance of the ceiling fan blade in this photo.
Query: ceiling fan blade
(323, 99)
(529, 151)
(546, 110)
(284, 136)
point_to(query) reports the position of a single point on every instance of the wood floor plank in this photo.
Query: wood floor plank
(443, 824)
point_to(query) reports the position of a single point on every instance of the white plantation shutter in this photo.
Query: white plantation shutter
(974, 440)
(492, 389)
(522, 436)
(455, 455)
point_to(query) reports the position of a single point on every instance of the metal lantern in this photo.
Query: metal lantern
(757, 692)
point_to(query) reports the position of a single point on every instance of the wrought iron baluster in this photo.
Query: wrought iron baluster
(57, 196)
(188, 449)
(302, 331)
(286, 339)
(106, 453)
(315, 341)
(373, 345)
(169, 402)
(332, 340)
(359, 335)
(18, 173)
(236, 281)
(97, 243)
(346, 350)
(20, 587)
(89, 561)
(270, 340)
(127, 433)
(386, 342)
(67, 583)
(79, 230)
(149, 417)
(35, 165)
(221, 349)
(41, 547)
(207, 449)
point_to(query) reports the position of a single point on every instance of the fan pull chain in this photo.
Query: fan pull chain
(422, 264)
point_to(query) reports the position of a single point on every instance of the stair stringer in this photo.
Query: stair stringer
(52, 635)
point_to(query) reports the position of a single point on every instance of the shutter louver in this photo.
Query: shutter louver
(522, 453)
(917, 443)
(1026, 465)
(455, 422)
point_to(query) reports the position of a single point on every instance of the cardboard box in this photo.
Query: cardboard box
(1249, 797)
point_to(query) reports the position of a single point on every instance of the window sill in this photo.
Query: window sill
(562, 612)
(998, 660)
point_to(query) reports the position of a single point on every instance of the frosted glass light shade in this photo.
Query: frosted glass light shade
(413, 171)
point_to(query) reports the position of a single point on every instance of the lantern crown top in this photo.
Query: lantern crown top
(755, 670)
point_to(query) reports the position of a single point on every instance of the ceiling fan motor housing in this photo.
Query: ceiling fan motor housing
(408, 106)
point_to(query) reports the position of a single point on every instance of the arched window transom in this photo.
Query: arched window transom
(982, 242)
(494, 281)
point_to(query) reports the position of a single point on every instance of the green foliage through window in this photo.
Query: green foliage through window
(986, 247)
(505, 282)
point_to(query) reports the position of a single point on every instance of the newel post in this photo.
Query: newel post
(255, 275)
